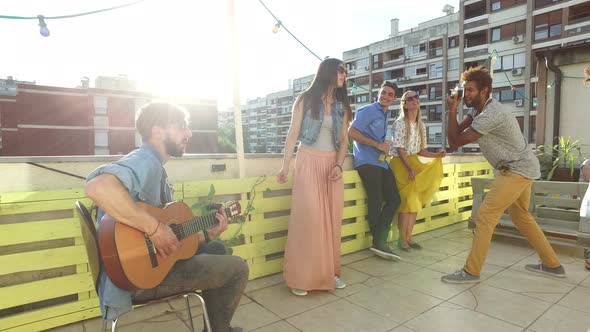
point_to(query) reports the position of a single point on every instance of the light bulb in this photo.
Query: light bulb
(275, 29)
(43, 30)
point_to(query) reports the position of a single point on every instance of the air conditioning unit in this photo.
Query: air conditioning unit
(518, 39)
(516, 71)
(519, 102)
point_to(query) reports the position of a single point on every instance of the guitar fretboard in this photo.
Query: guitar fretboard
(195, 225)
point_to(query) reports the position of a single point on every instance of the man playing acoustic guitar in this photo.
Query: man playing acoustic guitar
(140, 177)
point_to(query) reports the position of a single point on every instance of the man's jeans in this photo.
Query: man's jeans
(381, 188)
(222, 278)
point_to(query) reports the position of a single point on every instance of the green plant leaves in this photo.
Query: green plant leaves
(564, 154)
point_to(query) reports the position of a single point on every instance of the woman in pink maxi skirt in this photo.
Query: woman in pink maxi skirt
(319, 121)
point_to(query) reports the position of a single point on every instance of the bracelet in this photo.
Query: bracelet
(155, 230)
(339, 167)
(206, 236)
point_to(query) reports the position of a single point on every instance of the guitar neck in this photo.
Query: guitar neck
(195, 225)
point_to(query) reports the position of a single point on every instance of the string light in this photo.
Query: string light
(276, 28)
(44, 31)
(280, 24)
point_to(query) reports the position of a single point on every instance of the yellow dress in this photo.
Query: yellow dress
(415, 194)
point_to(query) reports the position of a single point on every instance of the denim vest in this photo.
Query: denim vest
(310, 127)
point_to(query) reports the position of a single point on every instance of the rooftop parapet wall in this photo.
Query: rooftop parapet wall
(47, 173)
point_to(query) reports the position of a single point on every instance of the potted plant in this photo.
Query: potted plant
(564, 154)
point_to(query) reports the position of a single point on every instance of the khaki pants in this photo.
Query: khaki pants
(511, 191)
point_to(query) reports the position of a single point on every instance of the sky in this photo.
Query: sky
(184, 48)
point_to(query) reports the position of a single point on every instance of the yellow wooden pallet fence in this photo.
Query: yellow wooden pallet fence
(45, 279)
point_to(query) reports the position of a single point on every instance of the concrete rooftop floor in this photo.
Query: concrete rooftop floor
(404, 296)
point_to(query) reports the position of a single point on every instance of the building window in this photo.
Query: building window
(519, 93)
(453, 64)
(495, 34)
(100, 105)
(361, 63)
(435, 70)
(506, 94)
(101, 138)
(415, 70)
(508, 62)
(548, 25)
(519, 60)
(496, 95)
(453, 41)
(435, 48)
(435, 91)
(503, 4)
(434, 134)
(508, 31)
(417, 49)
(544, 3)
(579, 13)
(435, 113)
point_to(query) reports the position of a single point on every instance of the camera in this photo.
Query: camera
(458, 90)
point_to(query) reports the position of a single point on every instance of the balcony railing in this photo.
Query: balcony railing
(581, 25)
(393, 62)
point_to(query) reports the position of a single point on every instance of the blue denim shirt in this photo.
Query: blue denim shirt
(141, 173)
(371, 121)
(310, 127)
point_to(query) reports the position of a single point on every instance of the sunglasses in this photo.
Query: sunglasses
(342, 70)
(412, 98)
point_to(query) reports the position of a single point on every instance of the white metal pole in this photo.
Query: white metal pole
(236, 87)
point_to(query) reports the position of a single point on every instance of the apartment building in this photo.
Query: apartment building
(42, 120)
(535, 48)
(541, 46)
(266, 120)
(425, 59)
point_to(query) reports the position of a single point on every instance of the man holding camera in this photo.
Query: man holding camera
(502, 143)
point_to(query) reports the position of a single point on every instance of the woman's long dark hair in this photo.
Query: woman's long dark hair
(325, 77)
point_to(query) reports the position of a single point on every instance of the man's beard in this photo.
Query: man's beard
(173, 149)
(475, 102)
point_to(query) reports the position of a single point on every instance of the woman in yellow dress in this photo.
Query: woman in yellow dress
(417, 182)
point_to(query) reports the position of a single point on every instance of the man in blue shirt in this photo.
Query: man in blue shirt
(140, 176)
(368, 130)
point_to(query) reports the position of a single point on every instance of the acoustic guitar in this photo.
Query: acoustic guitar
(130, 258)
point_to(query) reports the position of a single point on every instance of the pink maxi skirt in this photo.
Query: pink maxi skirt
(312, 252)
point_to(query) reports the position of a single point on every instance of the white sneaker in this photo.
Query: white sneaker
(298, 292)
(339, 283)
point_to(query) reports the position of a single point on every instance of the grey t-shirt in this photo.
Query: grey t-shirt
(502, 142)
